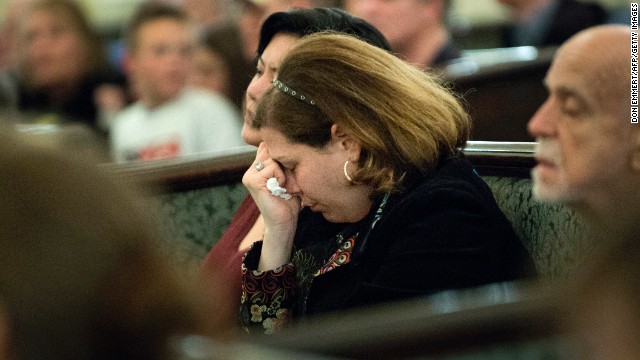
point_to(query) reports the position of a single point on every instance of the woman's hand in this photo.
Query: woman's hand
(280, 215)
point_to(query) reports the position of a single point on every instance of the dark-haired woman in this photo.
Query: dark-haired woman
(221, 267)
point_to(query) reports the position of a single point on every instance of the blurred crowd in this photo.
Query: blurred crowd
(57, 68)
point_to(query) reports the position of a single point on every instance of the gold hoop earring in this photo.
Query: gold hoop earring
(345, 171)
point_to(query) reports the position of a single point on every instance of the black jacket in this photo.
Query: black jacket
(445, 232)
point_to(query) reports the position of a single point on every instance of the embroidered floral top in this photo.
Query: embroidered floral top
(268, 297)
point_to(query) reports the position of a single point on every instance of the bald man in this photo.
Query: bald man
(588, 150)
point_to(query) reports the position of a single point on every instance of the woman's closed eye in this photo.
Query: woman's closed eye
(286, 166)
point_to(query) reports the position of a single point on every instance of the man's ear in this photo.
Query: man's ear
(344, 141)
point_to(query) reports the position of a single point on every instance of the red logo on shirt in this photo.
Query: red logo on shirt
(161, 151)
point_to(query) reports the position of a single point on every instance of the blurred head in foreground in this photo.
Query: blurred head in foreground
(81, 273)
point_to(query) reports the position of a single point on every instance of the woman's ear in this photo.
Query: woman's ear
(344, 141)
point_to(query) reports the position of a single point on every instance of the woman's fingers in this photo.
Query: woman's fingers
(277, 211)
(262, 169)
(267, 167)
(262, 153)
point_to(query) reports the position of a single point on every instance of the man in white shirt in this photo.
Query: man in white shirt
(169, 119)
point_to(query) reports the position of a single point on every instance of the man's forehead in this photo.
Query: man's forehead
(599, 56)
(571, 71)
(586, 71)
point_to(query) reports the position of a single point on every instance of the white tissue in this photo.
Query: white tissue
(276, 190)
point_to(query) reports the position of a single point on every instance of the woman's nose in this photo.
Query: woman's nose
(292, 185)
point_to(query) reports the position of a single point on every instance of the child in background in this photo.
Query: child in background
(169, 119)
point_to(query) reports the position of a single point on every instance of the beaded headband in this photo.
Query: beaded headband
(288, 90)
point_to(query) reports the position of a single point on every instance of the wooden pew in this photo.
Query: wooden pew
(513, 320)
(502, 89)
(198, 195)
(497, 321)
(553, 234)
